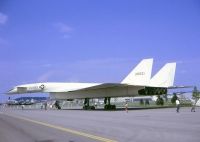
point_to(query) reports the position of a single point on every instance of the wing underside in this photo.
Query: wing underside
(107, 86)
(99, 91)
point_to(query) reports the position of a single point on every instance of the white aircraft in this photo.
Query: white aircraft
(138, 82)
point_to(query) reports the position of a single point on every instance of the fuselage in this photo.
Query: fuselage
(75, 90)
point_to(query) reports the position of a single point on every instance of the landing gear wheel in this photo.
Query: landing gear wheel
(110, 107)
(89, 107)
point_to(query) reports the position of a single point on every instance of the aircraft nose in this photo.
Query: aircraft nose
(12, 91)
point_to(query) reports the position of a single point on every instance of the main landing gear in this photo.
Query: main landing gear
(87, 105)
(107, 105)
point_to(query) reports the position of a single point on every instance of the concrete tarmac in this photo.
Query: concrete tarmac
(154, 125)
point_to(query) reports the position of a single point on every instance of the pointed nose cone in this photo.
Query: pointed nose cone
(12, 91)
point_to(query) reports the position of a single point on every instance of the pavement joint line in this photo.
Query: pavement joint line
(75, 132)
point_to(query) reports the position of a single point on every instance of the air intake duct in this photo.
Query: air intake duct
(152, 91)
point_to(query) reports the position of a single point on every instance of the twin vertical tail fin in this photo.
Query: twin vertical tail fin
(164, 77)
(141, 74)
